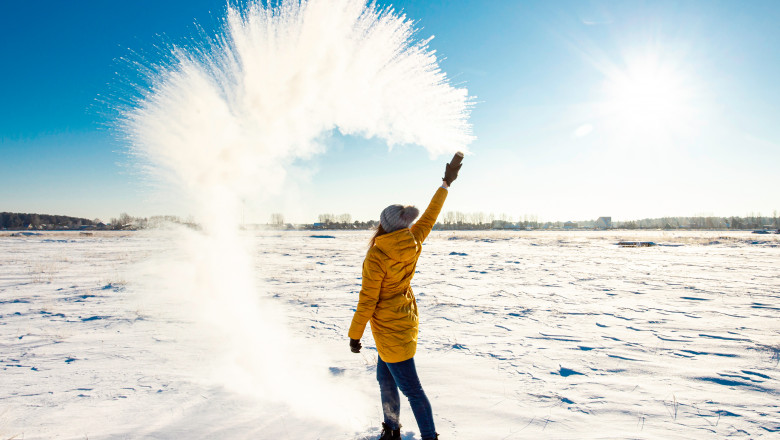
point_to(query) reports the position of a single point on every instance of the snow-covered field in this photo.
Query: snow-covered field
(524, 335)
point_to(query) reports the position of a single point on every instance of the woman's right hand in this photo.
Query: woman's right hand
(355, 345)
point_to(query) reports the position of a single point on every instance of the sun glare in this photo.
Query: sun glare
(648, 95)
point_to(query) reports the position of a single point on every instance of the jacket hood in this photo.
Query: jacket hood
(399, 245)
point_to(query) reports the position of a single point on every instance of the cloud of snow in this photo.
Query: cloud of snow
(223, 121)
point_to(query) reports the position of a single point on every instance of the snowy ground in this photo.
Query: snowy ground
(523, 336)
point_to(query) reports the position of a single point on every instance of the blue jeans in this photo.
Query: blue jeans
(403, 375)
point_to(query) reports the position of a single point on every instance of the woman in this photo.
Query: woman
(387, 300)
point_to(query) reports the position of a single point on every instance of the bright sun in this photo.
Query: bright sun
(648, 95)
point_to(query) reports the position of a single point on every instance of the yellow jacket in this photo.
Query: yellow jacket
(386, 298)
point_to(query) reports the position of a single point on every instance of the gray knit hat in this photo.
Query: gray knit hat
(396, 217)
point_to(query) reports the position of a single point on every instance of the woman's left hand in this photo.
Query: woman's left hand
(451, 173)
(355, 345)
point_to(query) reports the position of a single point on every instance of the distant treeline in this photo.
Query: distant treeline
(15, 220)
(448, 221)
(128, 222)
(481, 221)
(669, 223)
(19, 221)
(750, 222)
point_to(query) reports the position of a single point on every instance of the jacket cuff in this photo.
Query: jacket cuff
(356, 330)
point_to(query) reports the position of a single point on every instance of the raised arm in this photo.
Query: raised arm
(423, 227)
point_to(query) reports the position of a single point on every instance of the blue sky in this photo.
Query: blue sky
(584, 108)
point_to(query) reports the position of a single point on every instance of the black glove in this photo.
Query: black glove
(355, 345)
(451, 173)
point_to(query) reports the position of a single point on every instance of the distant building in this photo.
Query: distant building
(604, 223)
(503, 224)
(569, 225)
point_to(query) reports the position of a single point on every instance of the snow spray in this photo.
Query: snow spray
(220, 122)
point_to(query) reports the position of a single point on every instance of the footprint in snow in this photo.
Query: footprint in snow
(336, 371)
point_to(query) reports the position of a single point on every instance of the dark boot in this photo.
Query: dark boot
(433, 438)
(390, 434)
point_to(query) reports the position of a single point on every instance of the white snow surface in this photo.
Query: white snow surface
(523, 335)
